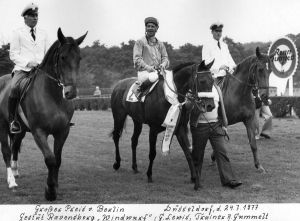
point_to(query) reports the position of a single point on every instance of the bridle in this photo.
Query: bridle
(57, 70)
(251, 77)
(192, 94)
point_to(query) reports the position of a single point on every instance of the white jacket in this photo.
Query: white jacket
(211, 51)
(23, 49)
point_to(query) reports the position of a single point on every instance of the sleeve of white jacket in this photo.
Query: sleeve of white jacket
(207, 57)
(15, 49)
(47, 44)
(230, 60)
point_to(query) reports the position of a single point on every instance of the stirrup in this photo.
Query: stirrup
(15, 127)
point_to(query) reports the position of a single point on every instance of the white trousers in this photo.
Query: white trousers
(145, 75)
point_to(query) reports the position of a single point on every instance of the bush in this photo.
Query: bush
(281, 106)
(91, 103)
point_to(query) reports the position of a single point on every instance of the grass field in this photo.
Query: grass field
(87, 175)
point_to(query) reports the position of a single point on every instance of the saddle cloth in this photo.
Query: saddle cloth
(173, 114)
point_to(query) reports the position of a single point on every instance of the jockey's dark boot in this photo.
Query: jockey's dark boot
(14, 125)
(142, 88)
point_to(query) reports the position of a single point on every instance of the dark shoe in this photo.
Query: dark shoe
(15, 127)
(265, 136)
(233, 184)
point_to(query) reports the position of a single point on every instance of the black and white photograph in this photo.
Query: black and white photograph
(154, 110)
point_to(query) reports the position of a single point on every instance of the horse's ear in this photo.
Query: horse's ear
(258, 54)
(60, 36)
(210, 64)
(80, 40)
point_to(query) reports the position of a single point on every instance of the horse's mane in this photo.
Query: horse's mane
(245, 62)
(52, 49)
(183, 65)
(49, 53)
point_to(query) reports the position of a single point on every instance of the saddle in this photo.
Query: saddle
(133, 96)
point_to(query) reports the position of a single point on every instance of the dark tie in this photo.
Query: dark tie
(32, 33)
(219, 45)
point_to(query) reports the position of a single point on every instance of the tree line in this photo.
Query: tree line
(104, 66)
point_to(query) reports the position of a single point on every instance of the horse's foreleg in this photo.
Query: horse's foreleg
(134, 142)
(250, 126)
(15, 147)
(152, 153)
(6, 152)
(184, 142)
(40, 138)
(59, 141)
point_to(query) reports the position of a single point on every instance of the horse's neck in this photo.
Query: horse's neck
(237, 83)
(181, 83)
(47, 86)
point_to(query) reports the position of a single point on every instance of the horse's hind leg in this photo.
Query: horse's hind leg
(134, 142)
(152, 139)
(40, 138)
(16, 141)
(6, 152)
(119, 121)
(250, 126)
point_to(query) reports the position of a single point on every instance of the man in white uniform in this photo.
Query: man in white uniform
(217, 50)
(28, 47)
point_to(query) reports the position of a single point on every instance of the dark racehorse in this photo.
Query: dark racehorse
(46, 106)
(154, 109)
(253, 72)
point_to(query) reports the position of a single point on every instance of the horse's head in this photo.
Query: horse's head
(260, 72)
(202, 86)
(67, 63)
(194, 80)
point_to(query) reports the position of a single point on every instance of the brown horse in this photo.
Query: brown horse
(252, 72)
(154, 110)
(47, 107)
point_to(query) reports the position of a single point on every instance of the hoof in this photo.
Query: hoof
(150, 180)
(50, 195)
(260, 169)
(116, 166)
(14, 189)
(135, 169)
(15, 173)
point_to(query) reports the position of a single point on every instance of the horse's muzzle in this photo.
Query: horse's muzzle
(209, 104)
(70, 92)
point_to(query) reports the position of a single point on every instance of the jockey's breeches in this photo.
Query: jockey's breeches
(145, 75)
(15, 83)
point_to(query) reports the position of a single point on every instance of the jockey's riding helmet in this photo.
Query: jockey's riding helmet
(151, 20)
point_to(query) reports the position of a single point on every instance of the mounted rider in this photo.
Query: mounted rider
(217, 50)
(149, 54)
(28, 47)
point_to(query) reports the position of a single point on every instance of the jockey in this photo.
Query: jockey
(149, 54)
(28, 46)
(217, 50)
